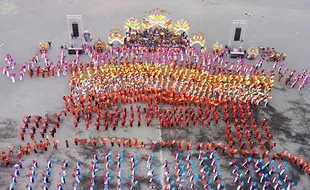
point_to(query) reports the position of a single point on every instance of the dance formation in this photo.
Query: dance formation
(160, 87)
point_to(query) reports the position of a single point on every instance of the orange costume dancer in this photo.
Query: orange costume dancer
(19, 154)
(112, 141)
(31, 136)
(162, 144)
(55, 143)
(7, 161)
(35, 147)
(199, 145)
(129, 143)
(171, 143)
(94, 142)
(45, 145)
(232, 151)
(244, 153)
(223, 149)
(135, 142)
(28, 148)
(85, 141)
(21, 134)
(103, 141)
(280, 76)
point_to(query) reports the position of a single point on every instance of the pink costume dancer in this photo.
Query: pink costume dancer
(61, 59)
(12, 77)
(8, 71)
(36, 58)
(65, 69)
(58, 70)
(13, 64)
(7, 57)
(5, 70)
(304, 82)
(46, 59)
(21, 75)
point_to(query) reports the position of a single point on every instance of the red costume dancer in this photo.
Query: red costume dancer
(76, 141)
(153, 144)
(188, 145)
(67, 143)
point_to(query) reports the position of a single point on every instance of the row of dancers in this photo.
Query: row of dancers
(200, 170)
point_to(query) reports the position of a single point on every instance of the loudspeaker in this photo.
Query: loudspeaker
(237, 34)
(75, 30)
(237, 54)
(72, 51)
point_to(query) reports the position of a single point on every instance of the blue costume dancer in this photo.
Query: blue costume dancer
(75, 186)
(60, 187)
(65, 163)
(49, 163)
(29, 186)
(45, 187)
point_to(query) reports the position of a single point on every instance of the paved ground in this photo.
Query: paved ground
(25, 23)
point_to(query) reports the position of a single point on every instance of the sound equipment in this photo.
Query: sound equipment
(72, 51)
(75, 30)
(237, 54)
(237, 34)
